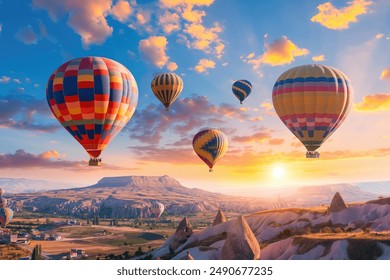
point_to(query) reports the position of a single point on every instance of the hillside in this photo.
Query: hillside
(132, 197)
(361, 231)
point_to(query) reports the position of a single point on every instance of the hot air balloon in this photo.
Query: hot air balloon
(93, 98)
(1, 192)
(167, 87)
(210, 145)
(242, 89)
(3, 202)
(6, 215)
(312, 101)
(157, 209)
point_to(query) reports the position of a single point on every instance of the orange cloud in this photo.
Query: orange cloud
(50, 154)
(385, 75)
(153, 50)
(374, 103)
(197, 35)
(204, 64)
(172, 66)
(333, 18)
(122, 11)
(281, 51)
(317, 58)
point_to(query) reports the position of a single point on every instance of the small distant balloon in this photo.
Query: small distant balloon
(6, 215)
(157, 209)
(242, 89)
(210, 145)
(167, 87)
(3, 202)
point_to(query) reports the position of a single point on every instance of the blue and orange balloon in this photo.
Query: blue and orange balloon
(210, 145)
(93, 98)
(242, 89)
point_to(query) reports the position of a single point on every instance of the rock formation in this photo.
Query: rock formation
(189, 257)
(219, 218)
(241, 243)
(183, 232)
(337, 203)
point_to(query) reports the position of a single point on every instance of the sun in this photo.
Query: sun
(278, 172)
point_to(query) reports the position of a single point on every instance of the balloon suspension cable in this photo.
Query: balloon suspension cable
(95, 162)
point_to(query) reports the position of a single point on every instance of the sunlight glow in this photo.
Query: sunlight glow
(278, 172)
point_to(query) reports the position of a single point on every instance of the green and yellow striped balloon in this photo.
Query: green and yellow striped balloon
(167, 87)
(210, 145)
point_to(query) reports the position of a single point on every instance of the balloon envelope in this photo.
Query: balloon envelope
(167, 87)
(6, 215)
(241, 89)
(312, 101)
(93, 98)
(210, 145)
(157, 209)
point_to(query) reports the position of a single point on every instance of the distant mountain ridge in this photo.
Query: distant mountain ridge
(23, 185)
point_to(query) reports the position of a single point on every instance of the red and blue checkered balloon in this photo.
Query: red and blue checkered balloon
(93, 98)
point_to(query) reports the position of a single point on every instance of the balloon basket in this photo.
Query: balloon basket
(95, 161)
(310, 154)
(210, 170)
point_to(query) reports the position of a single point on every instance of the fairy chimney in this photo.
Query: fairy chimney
(337, 203)
(183, 232)
(241, 243)
(219, 218)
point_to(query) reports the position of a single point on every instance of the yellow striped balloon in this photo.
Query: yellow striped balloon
(210, 145)
(312, 101)
(167, 87)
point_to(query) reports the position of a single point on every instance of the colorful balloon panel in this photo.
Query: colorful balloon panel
(6, 215)
(93, 98)
(312, 101)
(241, 89)
(167, 87)
(157, 209)
(210, 145)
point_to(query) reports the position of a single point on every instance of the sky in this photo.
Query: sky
(210, 44)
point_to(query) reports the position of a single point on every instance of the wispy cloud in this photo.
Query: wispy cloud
(4, 79)
(27, 35)
(337, 19)
(374, 103)
(18, 111)
(86, 18)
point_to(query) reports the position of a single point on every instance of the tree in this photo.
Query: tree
(37, 253)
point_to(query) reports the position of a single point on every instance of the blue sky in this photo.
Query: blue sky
(210, 43)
